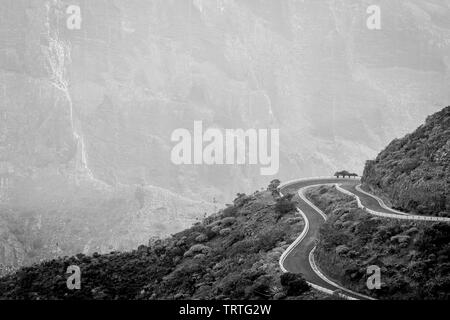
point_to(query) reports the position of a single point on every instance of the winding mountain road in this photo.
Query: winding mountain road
(299, 257)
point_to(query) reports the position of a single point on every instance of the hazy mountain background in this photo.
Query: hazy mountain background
(86, 116)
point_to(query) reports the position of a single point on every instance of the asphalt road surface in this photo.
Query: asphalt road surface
(298, 260)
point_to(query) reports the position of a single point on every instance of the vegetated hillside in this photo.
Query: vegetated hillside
(233, 254)
(414, 257)
(414, 172)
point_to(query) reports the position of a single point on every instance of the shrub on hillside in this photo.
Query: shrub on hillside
(294, 284)
(285, 205)
(241, 199)
(269, 239)
(230, 211)
(273, 188)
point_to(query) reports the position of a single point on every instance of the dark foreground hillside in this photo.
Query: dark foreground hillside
(233, 254)
(413, 173)
(414, 257)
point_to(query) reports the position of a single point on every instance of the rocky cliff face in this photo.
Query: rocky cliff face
(86, 115)
(414, 172)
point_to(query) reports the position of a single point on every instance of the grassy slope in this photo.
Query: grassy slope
(413, 173)
(413, 256)
(233, 254)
